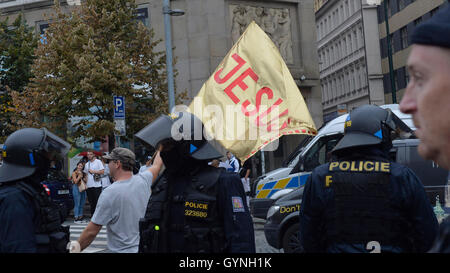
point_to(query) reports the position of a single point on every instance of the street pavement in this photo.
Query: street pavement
(260, 239)
(99, 245)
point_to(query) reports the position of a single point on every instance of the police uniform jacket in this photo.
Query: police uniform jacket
(353, 204)
(208, 216)
(18, 221)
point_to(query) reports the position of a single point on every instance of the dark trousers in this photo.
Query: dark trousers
(93, 194)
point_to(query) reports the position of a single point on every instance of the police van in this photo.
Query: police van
(314, 151)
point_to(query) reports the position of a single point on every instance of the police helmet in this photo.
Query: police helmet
(28, 149)
(185, 130)
(368, 125)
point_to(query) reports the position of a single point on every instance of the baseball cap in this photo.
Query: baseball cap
(123, 154)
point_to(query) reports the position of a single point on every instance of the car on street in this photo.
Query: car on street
(59, 189)
(282, 227)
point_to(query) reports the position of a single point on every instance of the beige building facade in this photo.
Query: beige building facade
(403, 16)
(206, 32)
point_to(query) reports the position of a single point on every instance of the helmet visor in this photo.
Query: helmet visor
(157, 131)
(54, 147)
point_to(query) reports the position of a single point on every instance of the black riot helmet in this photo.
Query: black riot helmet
(370, 125)
(183, 129)
(29, 149)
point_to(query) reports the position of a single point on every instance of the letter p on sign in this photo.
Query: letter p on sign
(119, 107)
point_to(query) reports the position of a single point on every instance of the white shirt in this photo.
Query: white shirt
(234, 165)
(144, 168)
(97, 165)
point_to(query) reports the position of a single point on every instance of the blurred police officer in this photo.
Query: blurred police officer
(362, 201)
(194, 207)
(427, 97)
(30, 222)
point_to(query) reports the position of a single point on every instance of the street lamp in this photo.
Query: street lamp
(168, 30)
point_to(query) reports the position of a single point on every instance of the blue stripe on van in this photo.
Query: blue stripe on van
(293, 183)
(272, 192)
(303, 179)
(269, 185)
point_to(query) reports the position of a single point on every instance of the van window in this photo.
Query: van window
(320, 152)
(292, 159)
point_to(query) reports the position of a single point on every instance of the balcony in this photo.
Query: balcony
(4, 4)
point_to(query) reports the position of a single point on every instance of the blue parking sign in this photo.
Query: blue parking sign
(119, 107)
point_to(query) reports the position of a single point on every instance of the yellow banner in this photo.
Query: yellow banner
(251, 99)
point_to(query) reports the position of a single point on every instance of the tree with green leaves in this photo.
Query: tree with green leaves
(17, 45)
(97, 51)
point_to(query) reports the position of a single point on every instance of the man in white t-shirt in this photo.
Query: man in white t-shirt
(93, 167)
(122, 204)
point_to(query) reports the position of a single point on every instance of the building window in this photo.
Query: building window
(433, 12)
(363, 76)
(340, 50)
(344, 48)
(348, 88)
(402, 4)
(350, 45)
(347, 10)
(361, 36)
(42, 26)
(142, 15)
(391, 40)
(395, 80)
(321, 30)
(404, 37)
(389, 10)
(417, 21)
(352, 80)
(358, 79)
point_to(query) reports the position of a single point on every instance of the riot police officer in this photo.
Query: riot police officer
(363, 202)
(30, 222)
(194, 207)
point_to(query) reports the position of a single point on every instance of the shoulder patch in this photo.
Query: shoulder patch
(238, 205)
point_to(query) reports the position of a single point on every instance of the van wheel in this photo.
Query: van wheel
(291, 240)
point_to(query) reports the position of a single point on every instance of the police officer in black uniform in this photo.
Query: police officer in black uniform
(30, 222)
(194, 207)
(363, 202)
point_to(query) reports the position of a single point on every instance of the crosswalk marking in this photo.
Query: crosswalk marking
(100, 242)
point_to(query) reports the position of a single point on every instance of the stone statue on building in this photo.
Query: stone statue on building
(274, 21)
(284, 41)
(239, 22)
